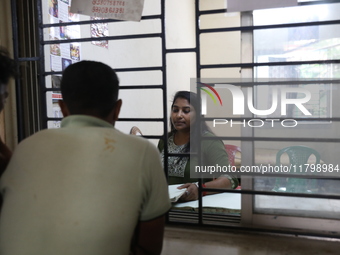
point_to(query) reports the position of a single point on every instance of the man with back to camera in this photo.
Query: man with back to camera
(85, 188)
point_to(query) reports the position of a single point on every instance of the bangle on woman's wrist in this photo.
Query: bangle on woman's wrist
(203, 185)
(204, 193)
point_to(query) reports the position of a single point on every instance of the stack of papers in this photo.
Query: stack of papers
(221, 200)
(175, 193)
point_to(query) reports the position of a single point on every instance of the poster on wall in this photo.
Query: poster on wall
(100, 30)
(63, 54)
(56, 79)
(130, 10)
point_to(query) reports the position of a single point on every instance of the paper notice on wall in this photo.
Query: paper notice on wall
(130, 10)
(100, 30)
(250, 5)
(63, 54)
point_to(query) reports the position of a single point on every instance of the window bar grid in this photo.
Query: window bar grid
(42, 81)
(251, 65)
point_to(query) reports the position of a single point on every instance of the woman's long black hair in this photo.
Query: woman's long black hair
(195, 128)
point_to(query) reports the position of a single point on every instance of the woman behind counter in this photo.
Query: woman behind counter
(182, 120)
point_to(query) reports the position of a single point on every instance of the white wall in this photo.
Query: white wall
(216, 48)
(180, 67)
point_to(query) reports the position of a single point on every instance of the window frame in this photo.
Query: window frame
(248, 219)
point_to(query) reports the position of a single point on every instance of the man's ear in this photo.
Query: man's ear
(63, 108)
(115, 112)
(117, 109)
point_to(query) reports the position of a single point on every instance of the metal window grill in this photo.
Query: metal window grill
(31, 91)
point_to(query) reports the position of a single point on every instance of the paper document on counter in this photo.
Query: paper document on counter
(221, 200)
(175, 193)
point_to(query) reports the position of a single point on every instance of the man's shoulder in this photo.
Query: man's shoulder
(91, 135)
(40, 134)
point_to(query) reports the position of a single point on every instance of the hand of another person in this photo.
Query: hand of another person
(191, 193)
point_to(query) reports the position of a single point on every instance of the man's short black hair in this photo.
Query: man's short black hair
(7, 66)
(89, 87)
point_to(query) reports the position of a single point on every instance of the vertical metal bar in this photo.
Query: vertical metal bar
(32, 21)
(18, 91)
(164, 85)
(41, 68)
(198, 75)
(247, 147)
(164, 92)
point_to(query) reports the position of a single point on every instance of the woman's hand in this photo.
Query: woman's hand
(191, 193)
